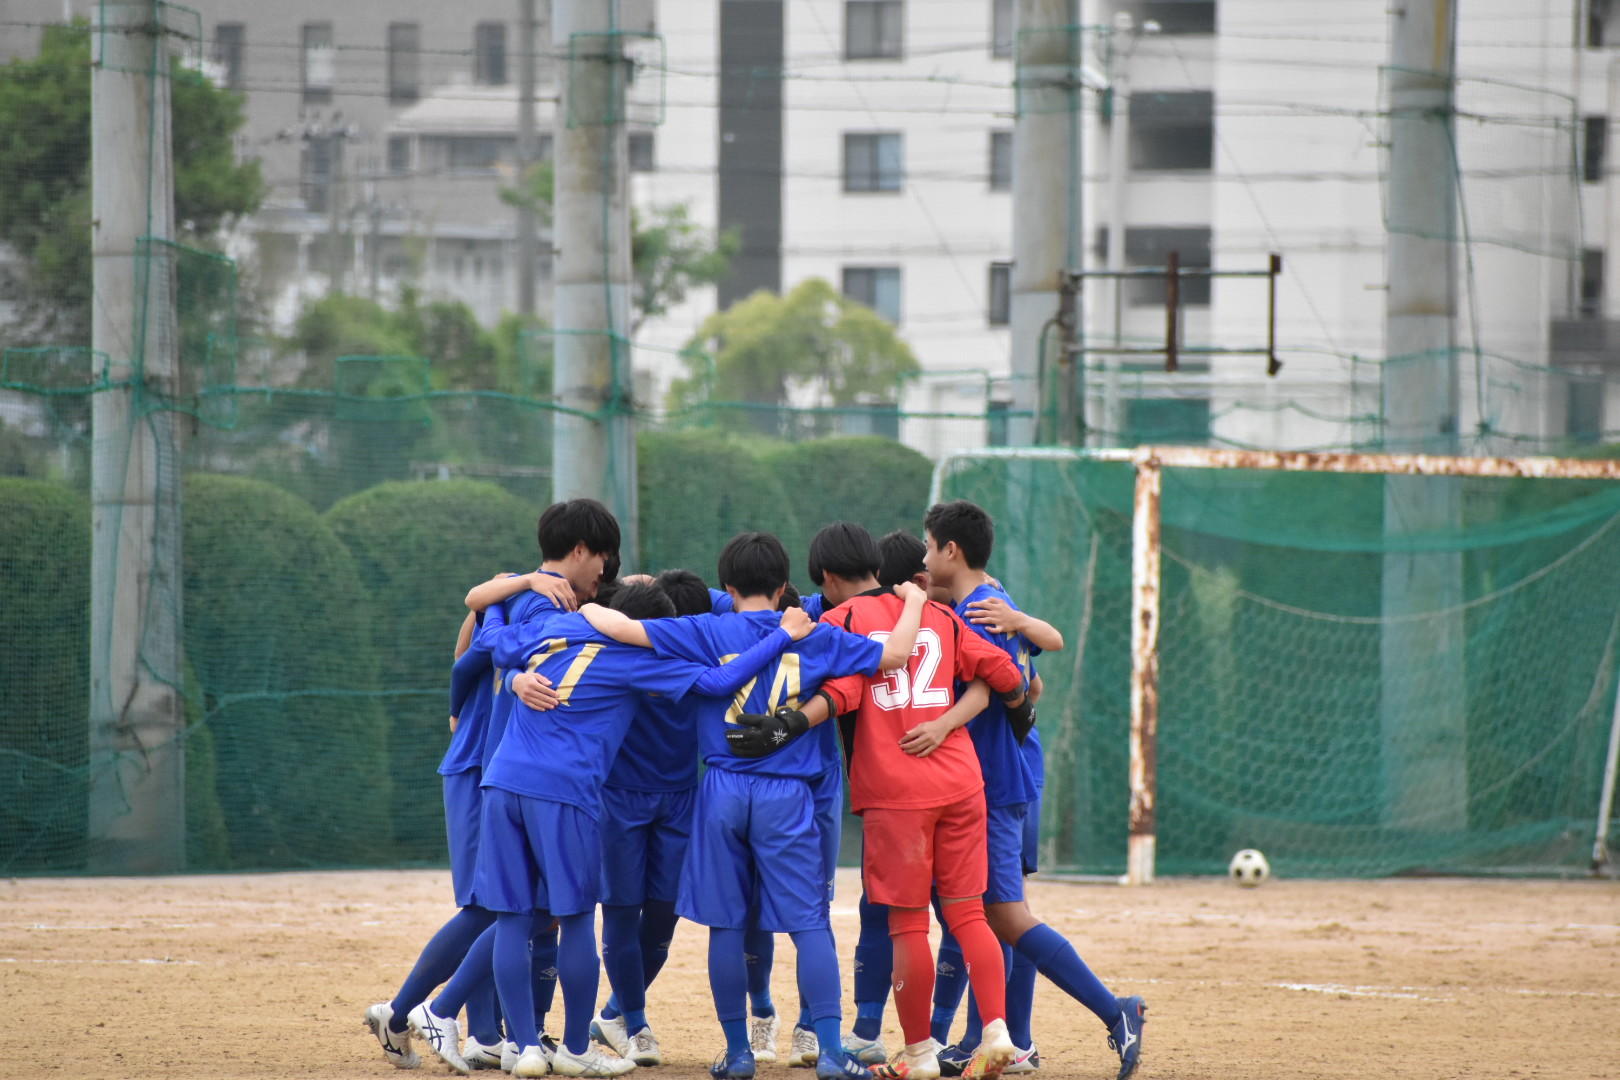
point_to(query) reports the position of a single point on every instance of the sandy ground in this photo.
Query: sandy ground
(267, 976)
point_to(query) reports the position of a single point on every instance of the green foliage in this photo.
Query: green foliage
(44, 641)
(45, 193)
(419, 547)
(764, 347)
(277, 629)
(208, 843)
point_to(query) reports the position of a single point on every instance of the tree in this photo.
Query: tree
(45, 173)
(762, 348)
(670, 254)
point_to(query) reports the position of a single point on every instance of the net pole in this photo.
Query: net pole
(1600, 845)
(1145, 577)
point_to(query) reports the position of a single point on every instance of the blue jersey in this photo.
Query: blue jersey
(495, 629)
(472, 680)
(720, 601)
(825, 653)
(1007, 778)
(662, 752)
(1035, 759)
(524, 616)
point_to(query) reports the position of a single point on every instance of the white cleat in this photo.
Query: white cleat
(918, 1061)
(1025, 1061)
(442, 1036)
(479, 1056)
(532, 1062)
(996, 1051)
(865, 1051)
(591, 1063)
(509, 1056)
(805, 1049)
(611, 1034)
(396, 1045)
(644, 1048)
(762, 1036)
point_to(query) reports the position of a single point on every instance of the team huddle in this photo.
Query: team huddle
(581, 706)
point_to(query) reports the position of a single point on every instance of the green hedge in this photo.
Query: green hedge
(44, 657)
(418, 548)
(276, 630)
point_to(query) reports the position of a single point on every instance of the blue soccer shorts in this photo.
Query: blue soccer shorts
(463, 810)
(1032, 836)
(827, 794)
(754, 837)
(537, 855)
(1006, 848)
(644, 840)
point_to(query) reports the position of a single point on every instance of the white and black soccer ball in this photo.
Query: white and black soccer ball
(1249, 868)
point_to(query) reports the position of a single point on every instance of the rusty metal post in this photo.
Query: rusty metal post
(1145, 563)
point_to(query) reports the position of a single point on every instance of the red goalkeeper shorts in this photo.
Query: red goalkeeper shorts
(909, 853)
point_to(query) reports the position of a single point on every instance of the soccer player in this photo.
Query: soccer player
(540, 847)
(755, 836)
(646, 823)
(959, 537)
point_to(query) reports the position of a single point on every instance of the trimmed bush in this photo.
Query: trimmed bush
(278, 631)
(419, 547)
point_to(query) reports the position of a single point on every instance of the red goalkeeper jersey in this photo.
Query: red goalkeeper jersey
(889, 704)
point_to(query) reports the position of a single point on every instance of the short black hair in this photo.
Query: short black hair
(790, 598)
(642, 601)
(902, 558)
(967, 525)
(686, 591)
(754, 563)
(606, 589)
(846, 549)
(577, 521)
(610, 567)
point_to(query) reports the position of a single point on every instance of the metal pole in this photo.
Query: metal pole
(1046, 191)
(528, 246)
(1144, 767)
(137, 821)
(334, 211)
(1600, 842)
(596, 455)
(1423, 689)
(1119, 79)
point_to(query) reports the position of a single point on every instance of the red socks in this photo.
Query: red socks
(981, 952)
(914, 970)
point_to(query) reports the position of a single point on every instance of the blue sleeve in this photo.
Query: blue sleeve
(681, 639)
(470, 667)
(509, 645)
(655, 675)
(848, 653)
(727, 679)
(814, 606)
(719, 601)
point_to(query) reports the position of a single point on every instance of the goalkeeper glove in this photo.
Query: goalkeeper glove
(1022, 718)
(758, 736)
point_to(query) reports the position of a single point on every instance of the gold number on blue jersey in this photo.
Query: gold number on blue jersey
(785, 687)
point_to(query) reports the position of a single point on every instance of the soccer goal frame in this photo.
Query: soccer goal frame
(1149, 463)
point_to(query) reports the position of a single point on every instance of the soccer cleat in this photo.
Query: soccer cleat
(1125, 1037)
(510, 1053)
(953, 1059)
(1025, 1061)
(919, 1061)
(805, 1050)
(995, 1050)
(611, 1034)
(591, 1063)
(644, 1048)
(396, 1045)
(866, 1051)
(738, 1066)
(762, 1036)
(532, 1062)
(442, 1036)
(837, 1065)
(478, 1055)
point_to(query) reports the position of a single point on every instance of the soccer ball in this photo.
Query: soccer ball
(1249, 868)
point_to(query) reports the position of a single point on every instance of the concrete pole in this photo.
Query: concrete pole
(593, 457)
(1423, 692)
(137, 820)
(335, 211)
(1119, 142)
(528, 246)
(1046, 210)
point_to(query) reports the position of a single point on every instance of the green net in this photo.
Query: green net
(1290, 720)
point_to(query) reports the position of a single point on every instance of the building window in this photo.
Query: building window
(475, 153)
(1584, 408)
(641, 152)
(874, 29)
(319, 63)
(315, 174)
(489, 54)
(399, 154)
(996, 420)
(1591, 283)
(1001, 160)
(228, 38)
(1173, 130)
(1177, 16)
(1000, 293)
(873, 161)
(1001, 29)
(1150, 248)
(1593, 148)
(878, 287)
(1597, 23)
(404, 62)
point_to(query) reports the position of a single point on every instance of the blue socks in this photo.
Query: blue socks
(655, 927)
(1020, 999)
(759, 952)
(950, 983)
(874, 969)
(818, 986)
(578, 970)
(484, 1015)
(621, 955)
(728, 982)
(658, 921)
(439, 960)
(1055, 958)
(474, 974)
(514, 977)
(543, 954)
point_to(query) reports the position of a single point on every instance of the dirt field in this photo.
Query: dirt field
(267, 976)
